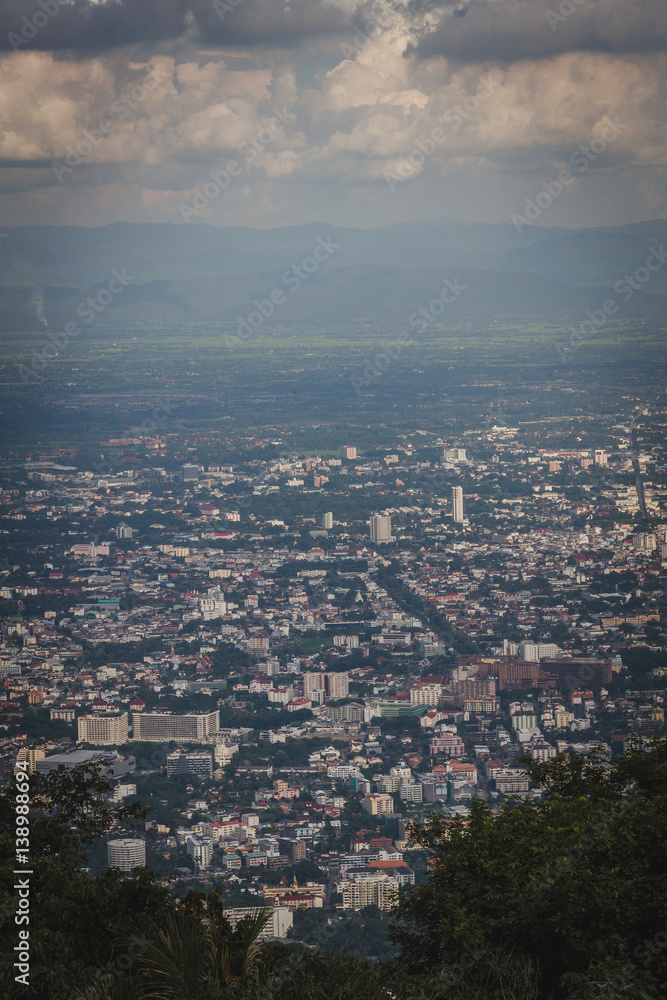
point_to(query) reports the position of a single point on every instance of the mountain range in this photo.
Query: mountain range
(197, 273)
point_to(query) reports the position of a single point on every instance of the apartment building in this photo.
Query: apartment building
(103, 730)
(159, 727)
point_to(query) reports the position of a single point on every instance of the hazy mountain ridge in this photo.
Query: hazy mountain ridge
(204, 273)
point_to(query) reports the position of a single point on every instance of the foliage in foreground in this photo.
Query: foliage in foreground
(575, 885)
(562, 899)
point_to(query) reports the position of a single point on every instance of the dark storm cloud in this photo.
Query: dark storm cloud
(508, 30)
(86, 27)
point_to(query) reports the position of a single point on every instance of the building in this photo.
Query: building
(30, 756)
(378, 804)
(103, 730)
(399, 870)
(412, 791)
(294, 850)
(126, 854)
(518, 674)
(115, 766)
(381, 529)
(578, 672)
(62, 714)
(449, 744)
(645, 541)
(425, 694)
(457, 504)
(511, 780)
(541, 750)
(190, 473)
(213, 605)
(122, 791)
(370, 890)
(312, 682)
(454, 455)
(524, 719)
(256, 644)
(348, 641)
(159, 727)
(354, 712)
(199, 763)
(346, 451)
(200, 849)
(123, 531)
(481, 706)
(601, 457)
(327, 520)
(318, 686)
(337, 685)
(223, 752)
(280, 919)
(532, 652)
(434, 789)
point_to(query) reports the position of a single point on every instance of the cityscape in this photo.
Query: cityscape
(333, 500)
(290, 693)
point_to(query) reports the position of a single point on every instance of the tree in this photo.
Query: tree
(573, 886)
(72, 915)
(195, 953)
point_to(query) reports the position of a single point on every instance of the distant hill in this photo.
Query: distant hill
(199, 272)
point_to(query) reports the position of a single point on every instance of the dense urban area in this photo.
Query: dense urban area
(289, 657)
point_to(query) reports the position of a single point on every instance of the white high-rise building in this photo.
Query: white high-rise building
(645, 542)
(373, 890)
(198, 727)
(126, 854)
(381, 529)
(327, 520)
(103, 730)
(213, 605)
(200, 849)
(533, 652)
(601, 457)
(457, 504)
(280, 919)
(454, 455)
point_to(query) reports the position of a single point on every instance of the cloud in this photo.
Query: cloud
(510, 30)
(86, 26)
(363, 110)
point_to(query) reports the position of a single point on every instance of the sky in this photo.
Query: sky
(267, 113)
